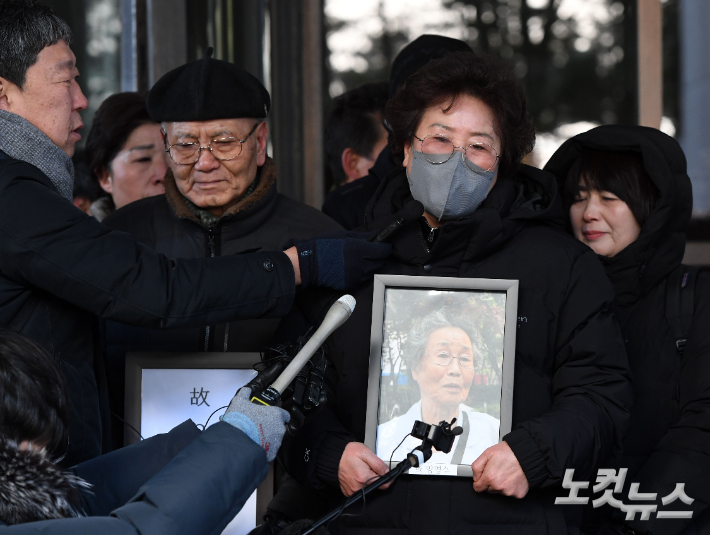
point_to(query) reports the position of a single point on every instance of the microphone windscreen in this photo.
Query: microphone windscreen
(348, 301)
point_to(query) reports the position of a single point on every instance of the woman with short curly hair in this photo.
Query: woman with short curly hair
(461, 128)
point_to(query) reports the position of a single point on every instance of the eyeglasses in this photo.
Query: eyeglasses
(223, 149)
(439, 149)
(442, 358)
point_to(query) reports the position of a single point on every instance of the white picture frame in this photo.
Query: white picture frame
(417, 324)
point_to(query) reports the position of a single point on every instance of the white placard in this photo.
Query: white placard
(171, 396)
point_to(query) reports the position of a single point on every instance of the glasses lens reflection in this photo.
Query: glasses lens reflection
(439, 149)
(442, 358)
(222, 149)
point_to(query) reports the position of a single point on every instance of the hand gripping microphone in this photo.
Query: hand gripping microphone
(337, 315)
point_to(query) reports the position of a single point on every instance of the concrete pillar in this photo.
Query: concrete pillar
(134, 68)
(695, 98)
(296, 92)
(314, 185)
(166, 23)
(153, 41)
(650, 63)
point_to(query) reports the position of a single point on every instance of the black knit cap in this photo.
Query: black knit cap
(205, 90)
(418, 53)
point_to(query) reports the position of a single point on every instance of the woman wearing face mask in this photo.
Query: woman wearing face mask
(460, 127)
(629, 199)
(125, 153)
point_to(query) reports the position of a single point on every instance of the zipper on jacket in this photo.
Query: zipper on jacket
(210, 243)
(211, 251)
(225, 341)
(428, 241)
(421, 235)
(226, 337)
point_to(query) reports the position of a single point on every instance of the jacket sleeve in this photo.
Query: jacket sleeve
(590, 389)
(199, 492)
(113, 484)
(683, 454)
(49, 244)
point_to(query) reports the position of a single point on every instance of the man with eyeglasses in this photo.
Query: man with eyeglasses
(220, 199)
(60, 268)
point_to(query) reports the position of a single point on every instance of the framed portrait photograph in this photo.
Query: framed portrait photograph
(165, 389)
(441, 348)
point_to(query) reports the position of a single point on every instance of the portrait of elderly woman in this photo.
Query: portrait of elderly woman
(441, 356)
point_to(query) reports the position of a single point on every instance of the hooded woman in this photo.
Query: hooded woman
(629, 198)
(460, 127)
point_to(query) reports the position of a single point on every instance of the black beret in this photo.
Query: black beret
(205, 90)
(418, 53)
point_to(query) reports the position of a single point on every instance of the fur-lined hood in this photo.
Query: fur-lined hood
(264, 182)
(33, 488)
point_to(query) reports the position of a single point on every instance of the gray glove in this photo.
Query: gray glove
(264, 425)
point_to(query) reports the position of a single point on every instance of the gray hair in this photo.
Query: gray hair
(418, 338)
(27, 27)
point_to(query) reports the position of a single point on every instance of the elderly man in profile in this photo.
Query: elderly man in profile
(220, 199)
(60, 268)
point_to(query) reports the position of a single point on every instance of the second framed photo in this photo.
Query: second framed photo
(441, 348)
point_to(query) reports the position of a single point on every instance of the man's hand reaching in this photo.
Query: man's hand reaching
(338, 261)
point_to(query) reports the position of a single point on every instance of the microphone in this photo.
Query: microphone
(338, 314)
(412, 211)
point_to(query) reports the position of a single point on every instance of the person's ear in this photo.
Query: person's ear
(105, 180)
(4, 89)
(407, 153)
(262, 132)
(351, 162)
(415, 372)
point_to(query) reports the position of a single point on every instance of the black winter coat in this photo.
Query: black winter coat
(62, 268)
(571, 396)
(669, 436)
(263, 221)
(181, 482)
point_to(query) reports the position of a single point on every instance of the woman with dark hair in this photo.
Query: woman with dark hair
(461, 128)
(125, 153)
(34, 402)
(629, 199)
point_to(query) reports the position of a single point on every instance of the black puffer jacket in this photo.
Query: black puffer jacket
(669, 436)
(262, 221)
(60, 268)
(571, 397)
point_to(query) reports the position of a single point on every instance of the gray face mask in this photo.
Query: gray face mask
(449, 190)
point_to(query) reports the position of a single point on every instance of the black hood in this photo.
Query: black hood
(531, 195)
(661, 244)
